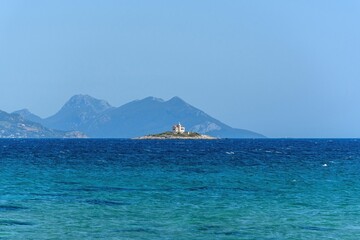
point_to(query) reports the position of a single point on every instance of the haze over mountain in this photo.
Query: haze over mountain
(26, 114)
(16, 126)
(97, 118)
(77, 113)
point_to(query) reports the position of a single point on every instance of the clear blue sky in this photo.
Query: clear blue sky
(282, 68)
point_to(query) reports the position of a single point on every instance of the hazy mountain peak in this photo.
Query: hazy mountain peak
(153, 99)
(26, 114)
(83, 100)
(77, 112)
(22, 111)
(176, 99)
(79, 97)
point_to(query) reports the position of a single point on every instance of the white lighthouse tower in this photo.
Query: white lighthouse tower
(178, 129)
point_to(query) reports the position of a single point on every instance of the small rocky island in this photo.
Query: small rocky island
(178, 132)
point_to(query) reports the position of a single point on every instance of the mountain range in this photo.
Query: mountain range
(98, 119)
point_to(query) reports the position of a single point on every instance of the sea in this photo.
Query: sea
(180, 189)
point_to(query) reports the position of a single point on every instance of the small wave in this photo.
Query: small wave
(315, 228)
(105, 202)
(138, 230)
(68, 182)
(4, 208)
(209, 227)
(197, 188)
(120, 189)
(14, 223)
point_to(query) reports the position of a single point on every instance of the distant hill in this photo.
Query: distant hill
(26, 114)
(16, 126)
(99, 119)
(77, 113)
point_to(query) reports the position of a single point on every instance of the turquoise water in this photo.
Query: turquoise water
(148, 189)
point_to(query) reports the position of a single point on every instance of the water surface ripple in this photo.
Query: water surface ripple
(156, 189)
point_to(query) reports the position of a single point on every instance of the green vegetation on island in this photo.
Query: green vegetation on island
(172, 135)
(178, 132)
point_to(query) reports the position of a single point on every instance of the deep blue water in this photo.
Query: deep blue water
(180, 189)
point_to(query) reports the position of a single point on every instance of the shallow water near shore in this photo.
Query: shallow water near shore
(180, 189)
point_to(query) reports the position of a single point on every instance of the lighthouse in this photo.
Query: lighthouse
(178, 129)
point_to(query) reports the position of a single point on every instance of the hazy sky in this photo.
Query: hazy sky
(280, 68)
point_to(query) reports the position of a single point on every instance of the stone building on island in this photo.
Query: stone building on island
(178, 129)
